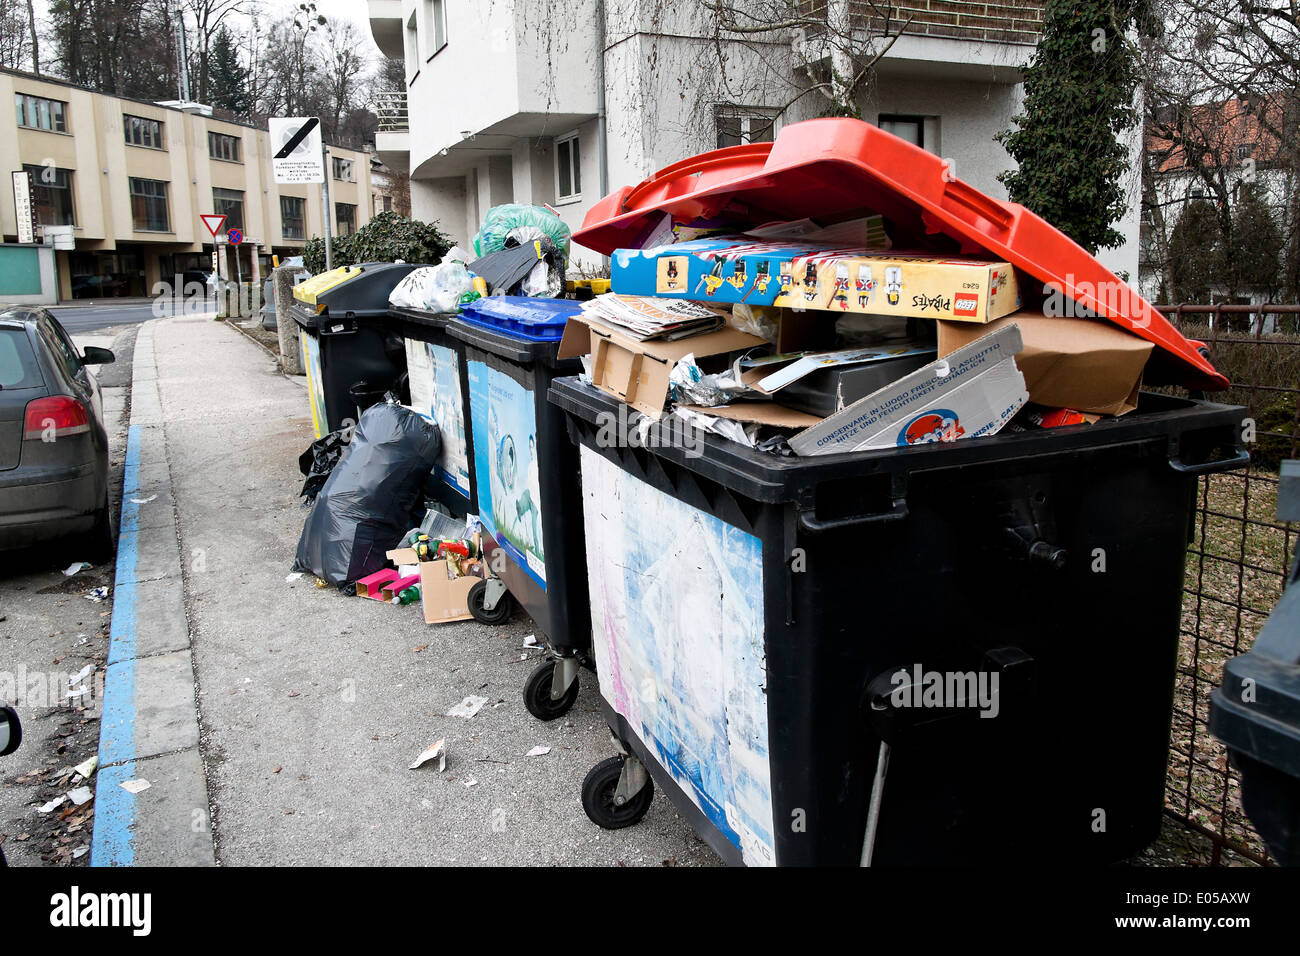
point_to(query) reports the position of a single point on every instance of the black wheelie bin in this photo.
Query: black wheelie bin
(349, 356)
(525, 477)
(439, 389)
(955, 652)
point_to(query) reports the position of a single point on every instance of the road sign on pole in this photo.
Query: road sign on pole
(234, 236)
(213, 222)
(296, 150)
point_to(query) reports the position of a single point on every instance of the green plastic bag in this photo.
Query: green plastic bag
(523, 224)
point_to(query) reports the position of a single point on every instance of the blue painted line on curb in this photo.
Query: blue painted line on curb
(114, 834)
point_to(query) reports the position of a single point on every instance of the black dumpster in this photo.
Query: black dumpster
(948, 653)
(525, 478)
(439, 390)
(1256, 710)
(341, 317)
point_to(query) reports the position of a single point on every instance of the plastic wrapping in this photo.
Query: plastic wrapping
(320, 459)
(761, 320)
(435, 288)
(368, 499)
(689, 385)
(514, 224)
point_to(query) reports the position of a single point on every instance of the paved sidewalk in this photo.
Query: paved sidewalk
(311, 705)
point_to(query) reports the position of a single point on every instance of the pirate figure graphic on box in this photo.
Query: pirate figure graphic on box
(762, 278)
(810, 282)
(864, 284)
(893, 284)
(713, 280)
(840, 293)
(672, 273)
(785, 277)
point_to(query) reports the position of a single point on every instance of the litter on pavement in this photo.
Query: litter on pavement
(468, 707)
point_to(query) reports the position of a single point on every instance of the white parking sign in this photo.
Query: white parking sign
(296, 150)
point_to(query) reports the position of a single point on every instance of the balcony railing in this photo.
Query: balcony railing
(390, 107)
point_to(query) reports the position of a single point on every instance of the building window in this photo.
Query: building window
(411, 47)
(149, 205)
(740, 124)
(388, 204)
(142, 132)
(568, 167)
(229, 203)
(345, 214)
(343, 170)
(52, 195)
(293, 217)
(36, 112)
(435, 23)
(910, 128)
(224, 147)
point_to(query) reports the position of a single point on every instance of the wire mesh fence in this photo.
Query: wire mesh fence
(1238, 561)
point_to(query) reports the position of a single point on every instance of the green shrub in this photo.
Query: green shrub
(386, 238)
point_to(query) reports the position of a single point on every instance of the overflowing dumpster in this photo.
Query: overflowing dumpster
(934, 623)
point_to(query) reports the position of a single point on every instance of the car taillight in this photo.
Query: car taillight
(57, 417)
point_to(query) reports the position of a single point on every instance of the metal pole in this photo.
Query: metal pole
(239, 282)
(325, 197)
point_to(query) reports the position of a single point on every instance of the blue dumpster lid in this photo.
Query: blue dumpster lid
(524, 317)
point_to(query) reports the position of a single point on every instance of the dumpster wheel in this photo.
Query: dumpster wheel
(598, 796)
(478, 609)
(537, 693)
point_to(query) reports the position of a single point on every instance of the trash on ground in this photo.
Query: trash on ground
(87, 767)
(143, 501)
(366, 502)
(53, 804)
(81, 795)
(96, 594)
(74, 567)
(435, 751)
(138, 785)
(468, 707)
(538, 751)
(292, 576)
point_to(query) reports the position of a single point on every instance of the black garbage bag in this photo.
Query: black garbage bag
(319, 460)
(366, 504)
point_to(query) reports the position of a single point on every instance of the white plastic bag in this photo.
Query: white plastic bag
(435, 288)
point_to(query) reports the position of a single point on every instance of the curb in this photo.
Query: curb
(149, 729)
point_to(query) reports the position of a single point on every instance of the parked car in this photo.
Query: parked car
(53, 445)
(11, 735)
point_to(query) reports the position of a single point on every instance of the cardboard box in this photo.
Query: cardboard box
(1084, 364)
(972, 392)
(802, 276)
(637, 372)
(443, 597)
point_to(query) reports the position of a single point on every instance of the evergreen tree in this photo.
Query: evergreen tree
(229, 78)
(1078, 109)
(1195, 254)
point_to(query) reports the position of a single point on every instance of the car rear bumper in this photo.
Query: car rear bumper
(64, 502)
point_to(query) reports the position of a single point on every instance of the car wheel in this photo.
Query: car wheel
(103, 537)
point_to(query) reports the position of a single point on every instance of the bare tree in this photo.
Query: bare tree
(209, 15)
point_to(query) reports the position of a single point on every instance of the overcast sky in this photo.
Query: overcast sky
(354, 10)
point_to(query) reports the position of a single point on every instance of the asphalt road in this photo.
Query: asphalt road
(88, 318)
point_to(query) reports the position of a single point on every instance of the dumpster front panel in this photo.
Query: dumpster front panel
(315, 386)
(677, 617)
(434, 380)
(503, 416)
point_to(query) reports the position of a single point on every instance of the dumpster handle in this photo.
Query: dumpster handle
(809, 521)
(1242, 457)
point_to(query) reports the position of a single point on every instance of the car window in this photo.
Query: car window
(64, 352)
(18, 367)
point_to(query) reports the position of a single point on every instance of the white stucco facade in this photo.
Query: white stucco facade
(515, 77)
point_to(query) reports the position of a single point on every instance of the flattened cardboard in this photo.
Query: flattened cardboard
(1084, 364)
(973, 392)
(758, 413)
(637, 372)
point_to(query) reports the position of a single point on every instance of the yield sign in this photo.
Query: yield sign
(213, 222)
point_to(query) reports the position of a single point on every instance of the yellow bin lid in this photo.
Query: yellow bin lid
(317, 285)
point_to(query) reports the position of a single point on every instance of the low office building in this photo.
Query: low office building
(131, 178)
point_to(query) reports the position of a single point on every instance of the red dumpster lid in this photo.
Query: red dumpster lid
(832, 167)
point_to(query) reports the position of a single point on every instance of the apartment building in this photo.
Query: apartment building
(131, 179)
(564, 101)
